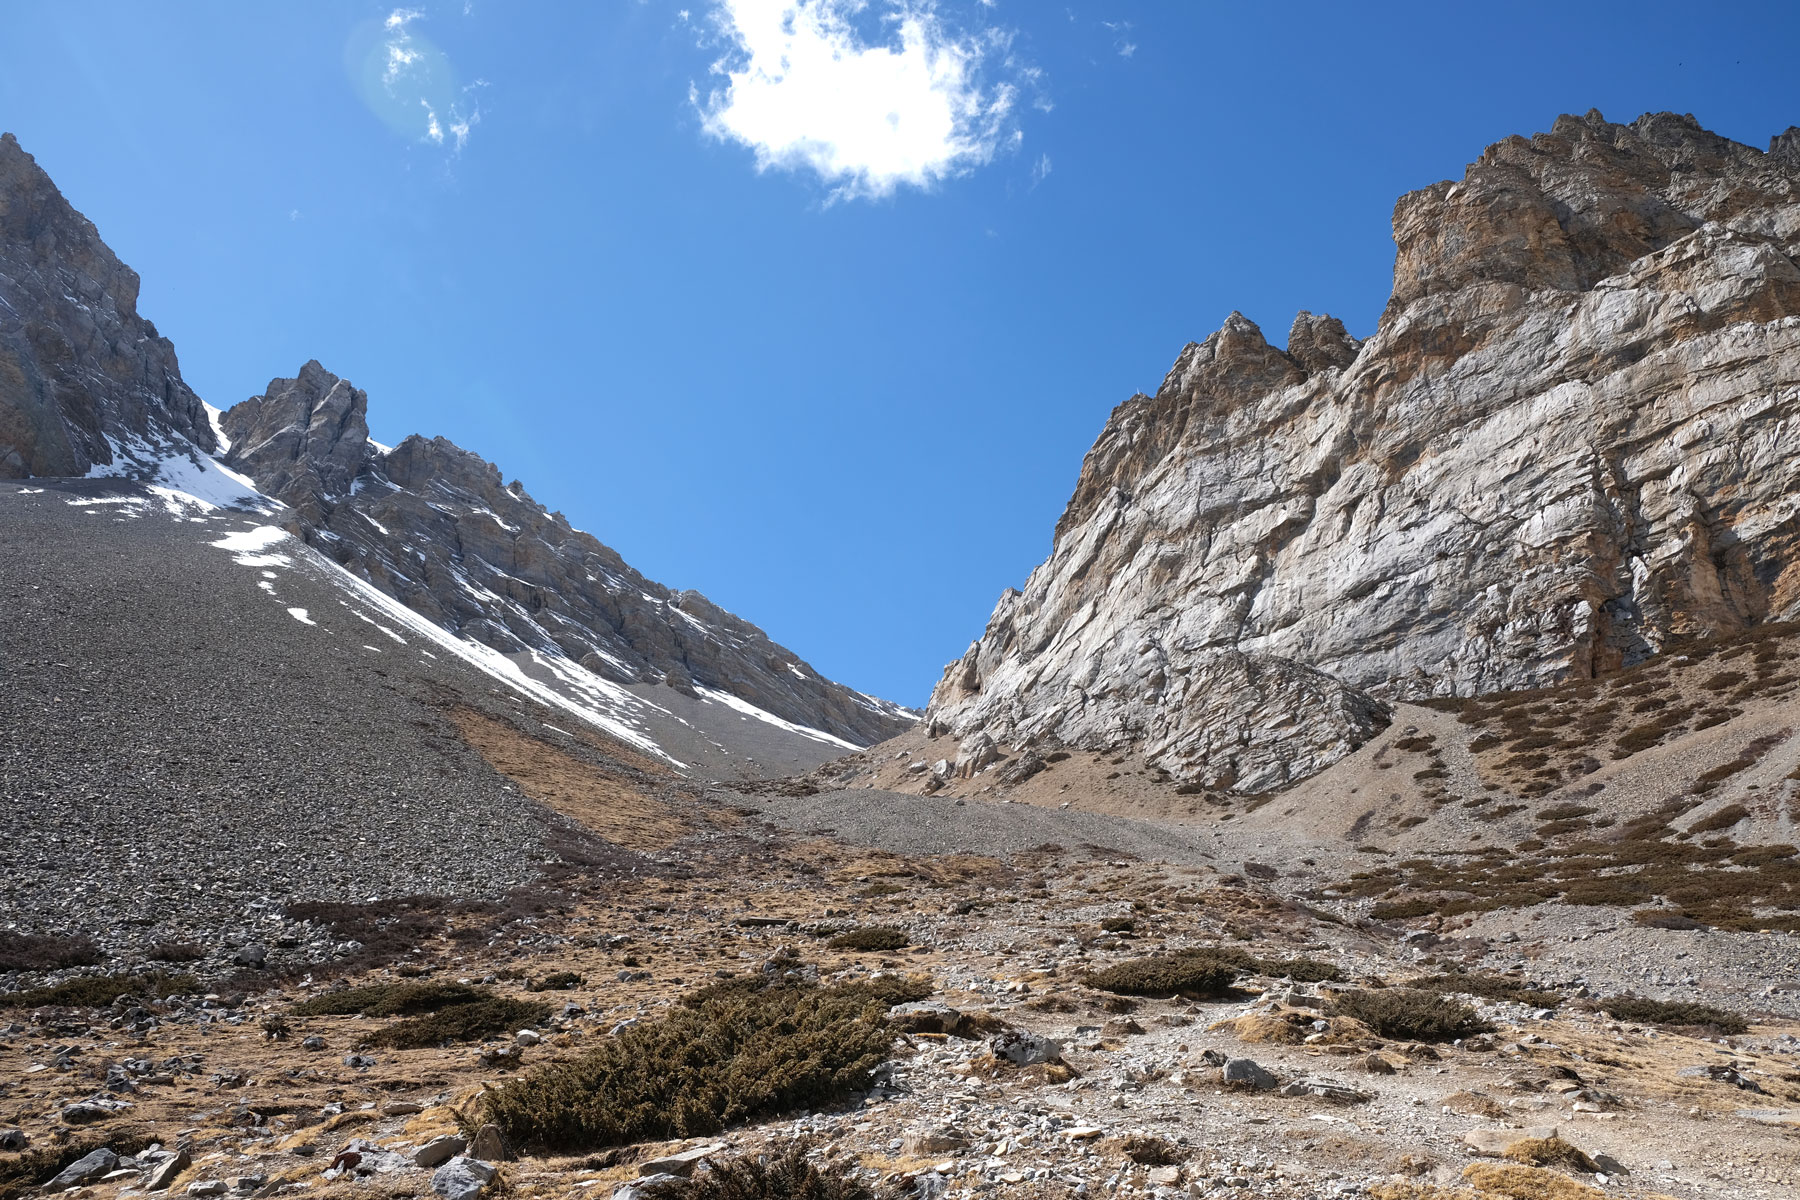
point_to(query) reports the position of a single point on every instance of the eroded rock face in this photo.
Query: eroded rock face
(1573, 439)
(436, 526)
(84, 379)
(304, 440)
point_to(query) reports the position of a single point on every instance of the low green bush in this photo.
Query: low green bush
(474, 1022)
(1409, 1014)
(785, 1174)
(740, 1050)
(98, 991)
(1666, 1012)
(871, 937)
(391, 1000)
(1199, 974)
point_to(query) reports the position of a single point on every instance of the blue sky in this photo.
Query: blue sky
(828, 344)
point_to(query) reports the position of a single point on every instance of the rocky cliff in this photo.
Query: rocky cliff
(434, 526)
(85, 381)
(1572, 441)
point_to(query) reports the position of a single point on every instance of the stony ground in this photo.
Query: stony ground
(1007, 936)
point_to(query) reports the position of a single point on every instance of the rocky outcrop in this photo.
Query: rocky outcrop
(85, 381)
(436, 527)
(1572, 441)
(304, 440)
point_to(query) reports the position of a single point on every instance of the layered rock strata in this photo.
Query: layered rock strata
(1572, 441)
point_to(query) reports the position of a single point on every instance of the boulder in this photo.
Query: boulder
(438, 1151)
(1023, 1048)
(85, 1169)
(165, 1172)
(1248, 1075)
(462, 1178)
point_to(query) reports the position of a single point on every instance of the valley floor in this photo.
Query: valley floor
(1006, 909)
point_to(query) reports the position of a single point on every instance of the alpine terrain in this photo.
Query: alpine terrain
(1387, 787)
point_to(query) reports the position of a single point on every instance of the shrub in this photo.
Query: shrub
(871, 937)
(472, 1022)
(45, 952)
(786, 1174)
(1194, 973)
(1550, 1152)
(740, 1050)
(98, 991)
(1725, 818)
(1401, 910)
(1300, 970)
(558, 981)
(391, 1000)
(1668, 1012)
(1413, 1015)
(175, 952)
(1610, 889)
(1118, 925)
(1566, 812)
(1151, 1151)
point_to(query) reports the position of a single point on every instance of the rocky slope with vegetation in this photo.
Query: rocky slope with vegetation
(1567, 447)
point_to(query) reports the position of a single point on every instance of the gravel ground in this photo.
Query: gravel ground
(179, 754)
(906, 824)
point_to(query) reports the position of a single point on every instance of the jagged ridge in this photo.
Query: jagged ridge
(435, 526)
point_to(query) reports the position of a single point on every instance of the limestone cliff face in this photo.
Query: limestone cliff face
(1573, 439)
(84, 380)
(435, 526)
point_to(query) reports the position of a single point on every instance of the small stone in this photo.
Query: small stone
(527, 1037)
(1165, 1176)
(207, 1187)
(252, 955)
(12, 1139)
(462, 1178)
(1375, 1064)
(401, 1108)
(439, 1150)
(315, 1042)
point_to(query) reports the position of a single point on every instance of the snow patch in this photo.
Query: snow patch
(299, 614)
(750, 710)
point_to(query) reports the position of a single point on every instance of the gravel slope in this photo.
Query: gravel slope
(179, 753)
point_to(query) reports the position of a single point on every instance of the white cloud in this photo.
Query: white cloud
(409, 82)
(1040, 169)
(807, 89)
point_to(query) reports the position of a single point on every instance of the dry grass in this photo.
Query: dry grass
(1550, 1152)
(609, 803)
